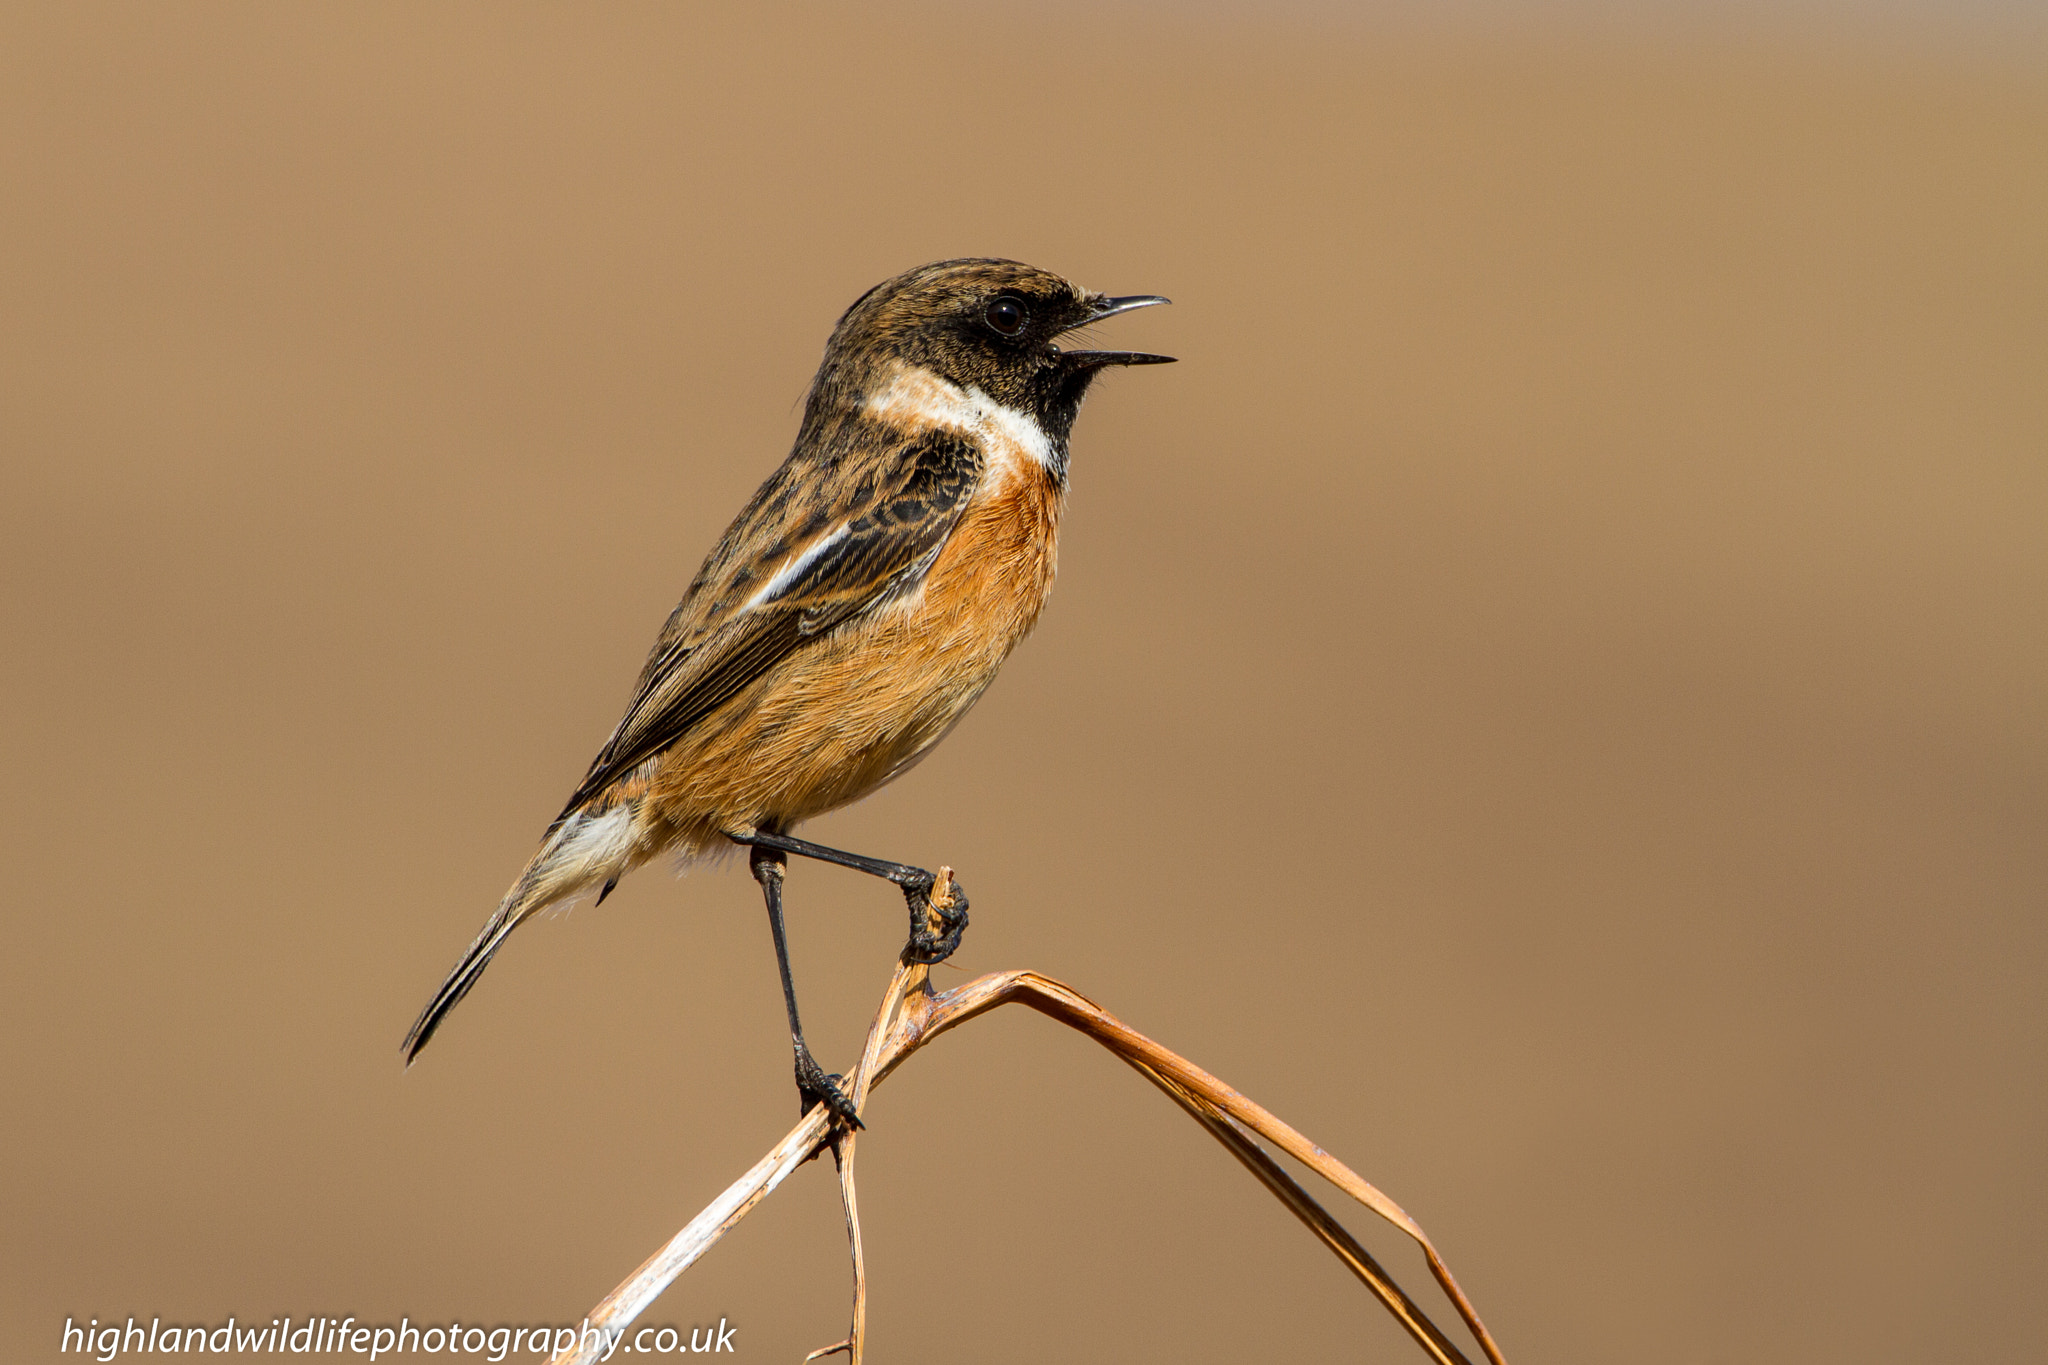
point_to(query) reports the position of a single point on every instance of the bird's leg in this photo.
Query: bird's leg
(926, 944)
(813, 1086)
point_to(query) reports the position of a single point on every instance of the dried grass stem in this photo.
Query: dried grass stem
(912, 1015)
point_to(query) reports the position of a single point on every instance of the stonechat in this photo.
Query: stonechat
(852, 612)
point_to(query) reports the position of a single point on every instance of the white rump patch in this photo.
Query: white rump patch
(593, 846)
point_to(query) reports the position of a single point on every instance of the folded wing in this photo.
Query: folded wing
(880, 545)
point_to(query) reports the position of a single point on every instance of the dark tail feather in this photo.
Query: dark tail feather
(463, 977)
(577, 853)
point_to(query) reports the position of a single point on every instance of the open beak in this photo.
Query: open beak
(1102, 306)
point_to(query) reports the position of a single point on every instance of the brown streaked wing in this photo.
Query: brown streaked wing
(890, 541)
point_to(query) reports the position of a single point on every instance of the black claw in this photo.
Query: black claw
(929, 946)
(813, 1086)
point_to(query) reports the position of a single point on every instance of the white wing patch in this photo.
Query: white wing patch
(915, 396)
(795, 569)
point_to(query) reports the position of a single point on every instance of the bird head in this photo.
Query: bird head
(979, 324)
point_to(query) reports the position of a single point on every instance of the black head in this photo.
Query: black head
(983, 324)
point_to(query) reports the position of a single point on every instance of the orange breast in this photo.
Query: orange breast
(854, 710)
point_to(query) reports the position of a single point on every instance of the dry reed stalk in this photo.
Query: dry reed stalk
(911, 1015)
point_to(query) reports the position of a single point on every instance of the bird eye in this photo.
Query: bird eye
(1006, 315)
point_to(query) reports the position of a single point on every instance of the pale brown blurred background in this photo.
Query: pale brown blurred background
(1548, 695)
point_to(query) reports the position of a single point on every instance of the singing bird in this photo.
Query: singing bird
(852, 612)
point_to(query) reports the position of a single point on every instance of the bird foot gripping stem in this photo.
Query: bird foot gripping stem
(815, 1086)
(938, 916)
